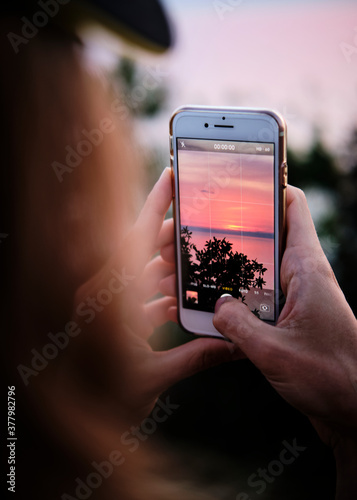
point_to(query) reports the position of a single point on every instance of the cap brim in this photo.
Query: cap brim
(143, 22)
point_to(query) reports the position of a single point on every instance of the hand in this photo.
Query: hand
(310, 356)
(117, 336)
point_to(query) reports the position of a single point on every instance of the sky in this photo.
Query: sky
(297, 57)
(287, 56)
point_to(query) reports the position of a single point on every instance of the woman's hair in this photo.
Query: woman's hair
(69, 186)
(68, 165)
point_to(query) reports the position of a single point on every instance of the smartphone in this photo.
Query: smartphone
(229, 197)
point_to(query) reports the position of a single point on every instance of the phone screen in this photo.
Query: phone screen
(226, 193)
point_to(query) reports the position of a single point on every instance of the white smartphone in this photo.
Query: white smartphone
(230, 174)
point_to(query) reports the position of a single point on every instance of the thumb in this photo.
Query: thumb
(259, 341)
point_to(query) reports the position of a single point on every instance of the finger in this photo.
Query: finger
(193, 357)
(303, 254)
(167, 286)
(301, 229)
(166, 235)
(157, 311)
(172, 314)
(168, 252)
(143, 240)
(156, 270)
(152, 215)
(260, 341)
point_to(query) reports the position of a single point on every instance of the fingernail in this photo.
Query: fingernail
(223, 298)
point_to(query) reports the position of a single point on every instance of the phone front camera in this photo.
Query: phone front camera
(223, 117)
(206, 125)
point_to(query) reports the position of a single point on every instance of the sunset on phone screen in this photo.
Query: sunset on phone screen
(230, 195)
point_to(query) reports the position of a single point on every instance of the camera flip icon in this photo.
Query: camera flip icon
(264, 308)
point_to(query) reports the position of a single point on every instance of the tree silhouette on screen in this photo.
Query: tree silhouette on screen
(217, 269)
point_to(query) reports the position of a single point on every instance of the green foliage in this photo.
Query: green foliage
(346, 190)
(317, 168)
(338, 229)
(127, 72)
(140, 91)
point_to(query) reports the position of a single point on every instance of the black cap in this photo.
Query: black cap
(142, 21)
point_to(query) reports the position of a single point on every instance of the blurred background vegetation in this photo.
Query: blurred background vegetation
(231, 422)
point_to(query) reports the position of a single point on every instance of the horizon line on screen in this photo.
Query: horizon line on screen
(233, 232)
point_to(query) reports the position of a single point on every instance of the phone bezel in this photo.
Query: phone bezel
(189, 122)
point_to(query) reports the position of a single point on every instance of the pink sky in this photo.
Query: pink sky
(243, 201)
(285, 56)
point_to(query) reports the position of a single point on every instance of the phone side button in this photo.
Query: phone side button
(172, 179)
(284, 174)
